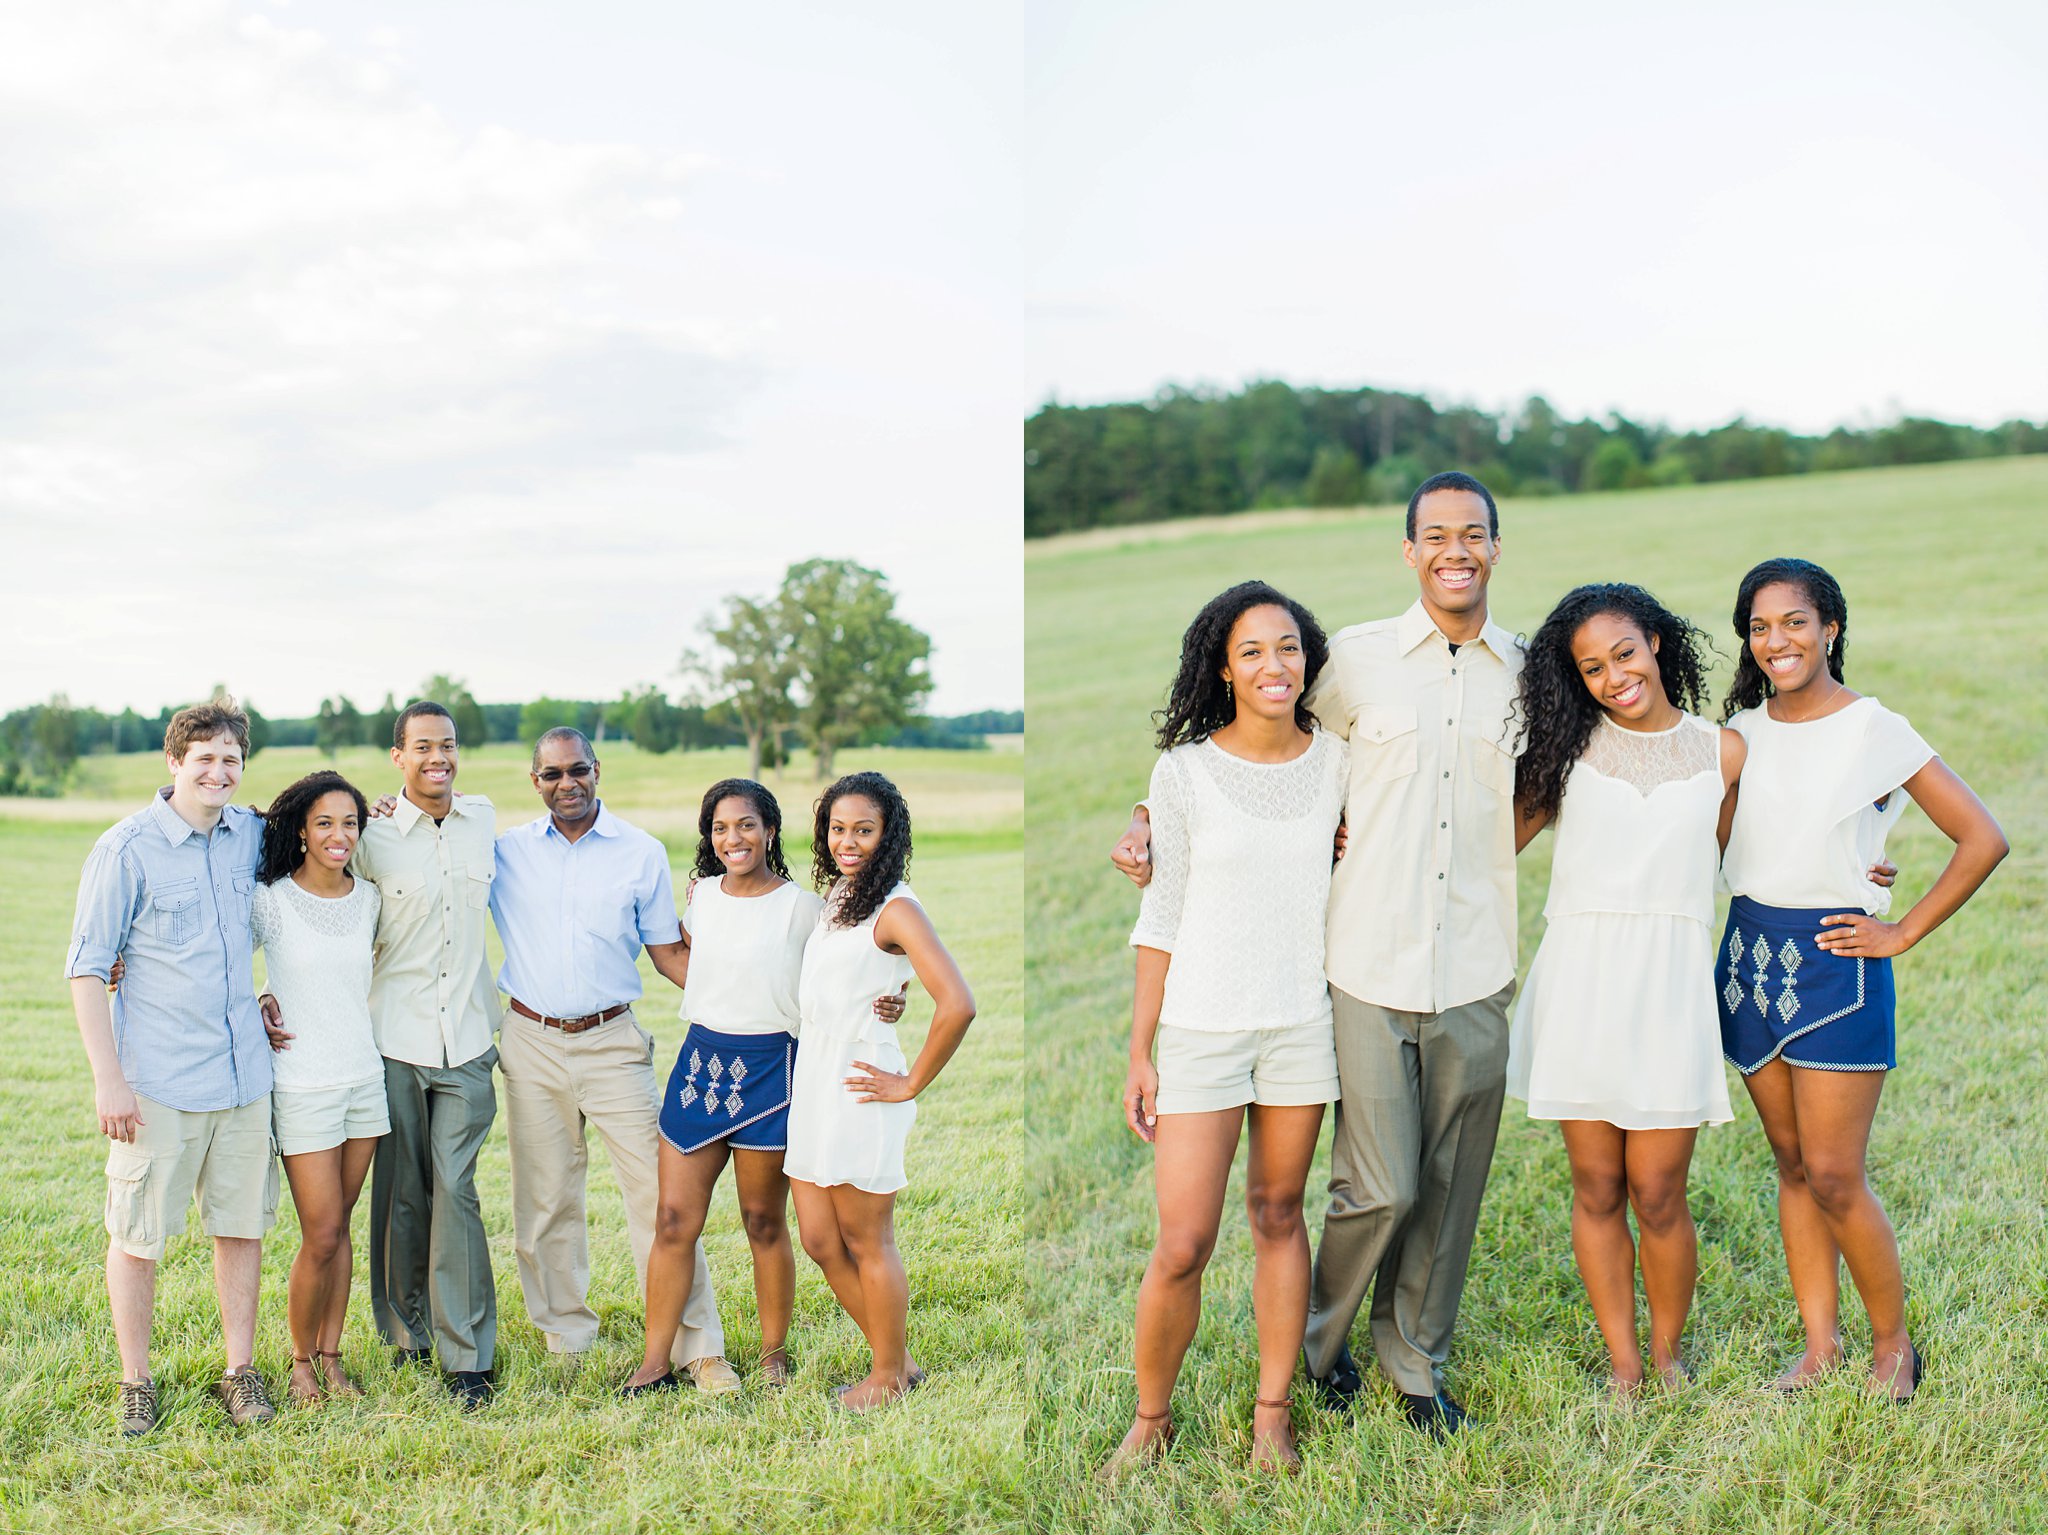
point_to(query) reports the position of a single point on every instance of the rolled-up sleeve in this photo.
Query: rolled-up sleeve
(109, 893)
(656, 909)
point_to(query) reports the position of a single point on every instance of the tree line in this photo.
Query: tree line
(1189, 452)
(823, 662)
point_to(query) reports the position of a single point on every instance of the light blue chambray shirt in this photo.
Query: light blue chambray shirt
(573, 915)
(173, 903)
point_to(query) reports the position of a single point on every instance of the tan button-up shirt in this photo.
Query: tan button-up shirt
(1422, 908)
(432, 1001)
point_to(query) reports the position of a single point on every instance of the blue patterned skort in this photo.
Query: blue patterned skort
(733, 1085)
(1780, 993)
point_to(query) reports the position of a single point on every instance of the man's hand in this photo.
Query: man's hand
(890, 1004)
(1343, 838)
(273, 1022)
(1883, 873)
(1133, 854)
(120, 1115)
(386, 804)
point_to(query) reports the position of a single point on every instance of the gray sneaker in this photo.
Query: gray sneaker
(246, 1398)
(137, 1413)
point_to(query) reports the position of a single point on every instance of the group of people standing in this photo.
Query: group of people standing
(370, 1053)
(1327, 854)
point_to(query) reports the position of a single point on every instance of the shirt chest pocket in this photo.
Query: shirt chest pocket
(1493, 765)
(1383, 742)
(245, 892)
(477, 889)
(174, 911)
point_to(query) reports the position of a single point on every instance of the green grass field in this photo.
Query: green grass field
(555, 1451)
(1946, 571)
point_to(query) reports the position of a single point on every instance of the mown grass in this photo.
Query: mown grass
(1946, 571)
(556, 1451)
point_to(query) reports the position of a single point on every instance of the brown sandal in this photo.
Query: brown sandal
(1291, 1462)
(302, 1392)
(338, 1380)
(774, 1368)
(1122, 1460)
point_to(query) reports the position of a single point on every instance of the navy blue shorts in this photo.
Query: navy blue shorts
(1781, 993)
(729, 1085)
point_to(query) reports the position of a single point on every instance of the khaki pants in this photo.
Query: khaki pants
(1408, 1164)
(555, 1085)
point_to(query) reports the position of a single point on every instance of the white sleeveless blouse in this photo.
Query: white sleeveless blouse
(746, 955)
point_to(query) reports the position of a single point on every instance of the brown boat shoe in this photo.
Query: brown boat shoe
(245, 1396)
(137, 1412)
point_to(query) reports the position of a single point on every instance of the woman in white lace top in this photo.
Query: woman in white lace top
(1245, 803)
(315, 923)
(1615, 1034)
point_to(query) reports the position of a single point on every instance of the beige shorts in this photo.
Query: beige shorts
(222, 1155)
(321, 1118)
(1200, 1072)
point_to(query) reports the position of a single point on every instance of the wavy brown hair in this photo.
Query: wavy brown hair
(709, 865)
(871, 883)
(1751, 687)
(285, 821)
(1199, 702)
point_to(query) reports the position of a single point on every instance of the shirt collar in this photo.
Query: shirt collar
(606, 825)
(406, 815)
(174, 826)
(1416, 626)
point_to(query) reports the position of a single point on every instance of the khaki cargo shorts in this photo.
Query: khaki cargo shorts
(224, 1156)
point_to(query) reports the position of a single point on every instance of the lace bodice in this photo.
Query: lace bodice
(316, 956)
(1647, 759)
(1241, 855)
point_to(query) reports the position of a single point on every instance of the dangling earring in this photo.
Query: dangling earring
(1831, 650)
(302, 844)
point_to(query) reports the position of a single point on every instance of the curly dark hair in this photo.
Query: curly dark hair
(709, 865)
(1554, 713)
(1751, 687)
(285, 821)
(1199, 703)
(872, 881)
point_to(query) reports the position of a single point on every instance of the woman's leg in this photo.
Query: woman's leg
(1601, 1241)
(1283, 1144)
(867, 1224)
(686, 1181)
(1190, 1173)
(356, 1157)
(1812, 1259)
(1657, 1162)
(824, 1243)
(1835, 1111)
(764, 1208)
(315, 1178)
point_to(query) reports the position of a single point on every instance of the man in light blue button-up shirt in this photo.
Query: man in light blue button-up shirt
(180, 1061)
(577, 895)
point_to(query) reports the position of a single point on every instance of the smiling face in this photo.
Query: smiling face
(1264, 662)
(330, 830)
(1618, 664)
(567, 779)
(739, 836)
(1787, 639)
(427, 759)
(853, 832)
(206, 777)
(1453, 553)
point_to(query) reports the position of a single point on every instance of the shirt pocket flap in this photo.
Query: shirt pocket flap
(1383, 741)
(401, 887)
(174, 897)
(479, 888)
(1383, 722)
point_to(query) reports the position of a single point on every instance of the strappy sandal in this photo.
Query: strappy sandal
(302, 1390)
(774, 1369)
(1122, 1460)
(338, 1381)
(1291, 1463)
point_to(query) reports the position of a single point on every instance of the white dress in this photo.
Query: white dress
(316, 958)
(1617, 1020)
(833, 1137)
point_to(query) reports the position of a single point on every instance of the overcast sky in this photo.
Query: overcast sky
(1810, 213)
(348, 341)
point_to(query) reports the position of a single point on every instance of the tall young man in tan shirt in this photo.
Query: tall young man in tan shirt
(434, 1008)
(1420, 951)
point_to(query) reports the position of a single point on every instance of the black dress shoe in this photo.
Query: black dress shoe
(1339, 1389)
(472, 1388)
(400, 1358)
(663, 1382)
(1437, 1415)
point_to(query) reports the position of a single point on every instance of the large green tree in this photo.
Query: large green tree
(858, 667)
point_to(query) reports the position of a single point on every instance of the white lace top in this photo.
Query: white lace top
(1635, 833)
(1241, 855)
(1807, 823)
(746, 954)
(317, 956)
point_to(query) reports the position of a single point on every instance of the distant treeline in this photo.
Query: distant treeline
(1190, 452)
(40, 744)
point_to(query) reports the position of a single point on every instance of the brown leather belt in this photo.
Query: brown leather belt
(570, 1025)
